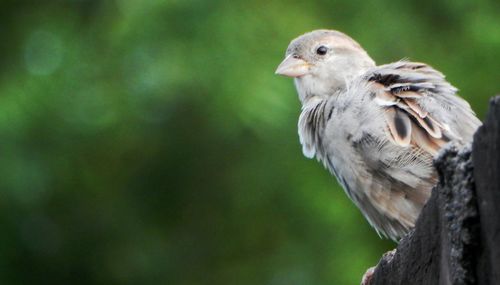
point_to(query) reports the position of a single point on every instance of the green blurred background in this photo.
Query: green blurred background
(149, 142)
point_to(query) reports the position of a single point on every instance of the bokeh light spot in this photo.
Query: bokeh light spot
(43, 52)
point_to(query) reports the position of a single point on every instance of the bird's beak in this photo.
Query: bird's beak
(293, 67)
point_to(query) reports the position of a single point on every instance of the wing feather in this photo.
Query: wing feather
(399, 125)
(420, 107)
(415, 107)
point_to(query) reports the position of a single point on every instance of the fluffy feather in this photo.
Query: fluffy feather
(377, 128)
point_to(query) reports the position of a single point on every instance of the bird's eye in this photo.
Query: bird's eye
(322, 50)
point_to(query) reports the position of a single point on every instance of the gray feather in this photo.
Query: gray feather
(388, 182)
(376, 128)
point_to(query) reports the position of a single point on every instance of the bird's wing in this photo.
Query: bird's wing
(420, 107)
(419, 112)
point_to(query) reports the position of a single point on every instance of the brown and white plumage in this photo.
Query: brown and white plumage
(376, 128)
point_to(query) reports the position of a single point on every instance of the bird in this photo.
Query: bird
(376, 128)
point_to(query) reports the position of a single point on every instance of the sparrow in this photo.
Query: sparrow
(376, 128)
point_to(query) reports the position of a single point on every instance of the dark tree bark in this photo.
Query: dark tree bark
(486, 154)
(456, 239)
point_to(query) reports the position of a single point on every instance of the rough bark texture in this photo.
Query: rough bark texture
(456, 239)
(486, 153)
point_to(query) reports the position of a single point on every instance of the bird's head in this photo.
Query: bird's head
(323, 61)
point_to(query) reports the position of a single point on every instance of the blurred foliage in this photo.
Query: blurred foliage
(149, 142)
